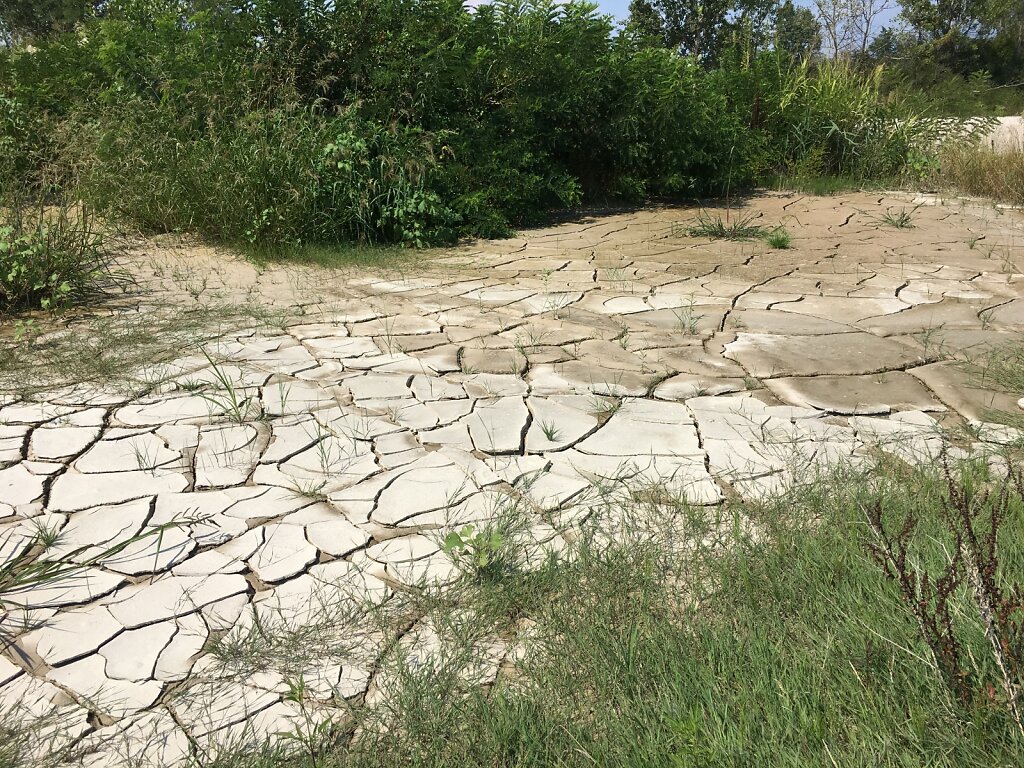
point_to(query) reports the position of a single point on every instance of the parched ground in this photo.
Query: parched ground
(279, 479)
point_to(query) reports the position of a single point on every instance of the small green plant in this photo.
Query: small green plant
(146, 456)
(479, 552)
(901, 219)
(231, 404)
(23, 329)
(717, 228)
(604, 406)
(550, 431)
(26, 566)
(931, 339)
(686, 318)
(190, 385)
(779, 239)
(311, 489)
(313, 734)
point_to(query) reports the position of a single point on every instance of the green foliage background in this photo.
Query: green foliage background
(411, 121)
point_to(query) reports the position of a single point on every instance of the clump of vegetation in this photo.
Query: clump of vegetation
(739, 227)
(971, 514)
(755, 634)
(982, 172)
(901, 219)
(49, 257)
(779, 238)
(280, 126)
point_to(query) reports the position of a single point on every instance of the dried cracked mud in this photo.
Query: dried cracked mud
(279, 481)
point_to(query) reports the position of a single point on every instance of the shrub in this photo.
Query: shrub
(418, 121)
(271, 175)
(49, 257)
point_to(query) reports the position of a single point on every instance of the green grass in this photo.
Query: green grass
(779, 239)
(755, 634)
(1000, 369)
(340, 255)
(50, 257)
(120, 351)
(901, 219)
(739, 227)
(822, 186)
(974, 170)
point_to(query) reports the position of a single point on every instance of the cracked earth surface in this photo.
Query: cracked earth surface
(276, 477)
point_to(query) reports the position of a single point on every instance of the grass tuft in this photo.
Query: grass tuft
(901, 219)
(717, 228)
(780, 239)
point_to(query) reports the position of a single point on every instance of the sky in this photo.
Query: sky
(617, 8)
(620, 9)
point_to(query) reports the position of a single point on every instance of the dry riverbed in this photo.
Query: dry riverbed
(292, 470)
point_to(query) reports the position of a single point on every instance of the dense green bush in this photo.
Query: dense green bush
(411, 121)
(47, 258)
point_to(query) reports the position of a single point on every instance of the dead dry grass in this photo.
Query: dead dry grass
(984, 173)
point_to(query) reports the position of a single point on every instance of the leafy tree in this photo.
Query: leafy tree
(797, 31)
(936, 19)
(696, 27)
(704, 28)
(644, 22)
(23, 19)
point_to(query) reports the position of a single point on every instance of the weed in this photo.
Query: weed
(49, 257)
(145, 456)
(717, 228)
(687, 319)
(972, 515)
(190, 385)
(821, 186)
(479, 552)
(975, 170)
(901, 219)
(311, 489)
(26, 566)
(550, 430)
(604, 406)
(779, 238)
(313, 734)
(931, 339)
(231, 404)
(650, 609)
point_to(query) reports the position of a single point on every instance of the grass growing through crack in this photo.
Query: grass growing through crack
(1000, 369)
(715, 227)
(550, 430)
(109, 351)
(901, 219)
(752, 634)
(779, 239)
